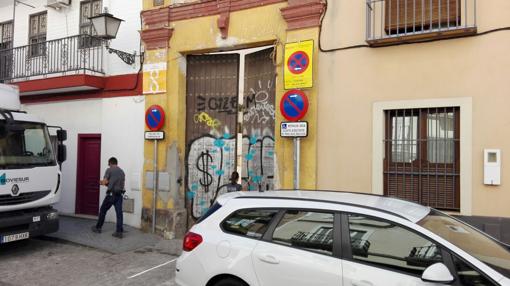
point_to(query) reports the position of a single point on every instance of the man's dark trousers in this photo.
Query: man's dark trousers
(109, 201)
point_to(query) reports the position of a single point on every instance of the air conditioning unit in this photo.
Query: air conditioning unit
(57, 4)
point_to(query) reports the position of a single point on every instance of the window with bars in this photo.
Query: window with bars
(402, 16)
(422, 156)
(88, 9)
(6, 35)
(37, 34)
(5, 49)
(393, 21)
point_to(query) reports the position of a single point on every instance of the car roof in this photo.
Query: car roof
(402, 208)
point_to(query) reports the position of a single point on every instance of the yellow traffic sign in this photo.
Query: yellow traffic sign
(298, 65)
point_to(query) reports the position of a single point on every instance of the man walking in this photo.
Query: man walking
(114, 178)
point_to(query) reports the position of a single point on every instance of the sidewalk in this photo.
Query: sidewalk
(77, 230)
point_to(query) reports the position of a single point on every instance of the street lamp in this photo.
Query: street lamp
(107, 26)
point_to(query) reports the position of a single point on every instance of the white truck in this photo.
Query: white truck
(30, 177)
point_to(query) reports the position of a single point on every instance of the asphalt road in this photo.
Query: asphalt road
(47, 261)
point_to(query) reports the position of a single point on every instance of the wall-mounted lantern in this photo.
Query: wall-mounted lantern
(107, 27)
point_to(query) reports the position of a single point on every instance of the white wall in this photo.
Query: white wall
(123, 138)
(77, 117)
(120, 121)
(66, 21)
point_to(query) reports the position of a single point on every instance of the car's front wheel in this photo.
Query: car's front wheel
(230, 282)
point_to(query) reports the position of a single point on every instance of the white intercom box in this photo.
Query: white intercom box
(492, 167)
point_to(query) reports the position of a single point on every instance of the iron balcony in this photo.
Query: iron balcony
(80, 54)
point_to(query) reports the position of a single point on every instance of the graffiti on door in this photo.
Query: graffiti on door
(212, 124)
(211, 127)
(258, 121)
(258, 137)
(211, 160)
(259, 106)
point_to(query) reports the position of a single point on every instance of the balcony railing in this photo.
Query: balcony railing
(71, 55)
(396, 21)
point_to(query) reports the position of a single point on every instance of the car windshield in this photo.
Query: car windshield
(24, 144)
(470, 240)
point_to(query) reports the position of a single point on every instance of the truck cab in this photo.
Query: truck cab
(30, 176)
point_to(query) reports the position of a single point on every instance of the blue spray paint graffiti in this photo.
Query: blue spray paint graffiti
(210, 161)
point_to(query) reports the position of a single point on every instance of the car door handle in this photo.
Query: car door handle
(362, 283)
(268, 258)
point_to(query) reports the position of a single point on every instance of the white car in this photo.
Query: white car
(314, 238)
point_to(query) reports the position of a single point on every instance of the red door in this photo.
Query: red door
(88, 174)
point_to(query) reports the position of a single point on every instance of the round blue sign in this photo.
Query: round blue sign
(294, 105)
(298, 62)
(155, 117)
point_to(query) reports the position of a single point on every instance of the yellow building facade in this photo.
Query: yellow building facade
(216, 68)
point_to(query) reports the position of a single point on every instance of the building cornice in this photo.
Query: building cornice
(157, 38)
(302, 14)
(156, 20)
(156, 17)
(214, 7)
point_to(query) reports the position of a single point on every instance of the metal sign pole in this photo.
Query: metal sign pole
(155, 185)
(294, 105)
(155, 119)
(297, 161)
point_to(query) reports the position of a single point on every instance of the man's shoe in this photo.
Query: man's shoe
(117, 234)
(95, 229)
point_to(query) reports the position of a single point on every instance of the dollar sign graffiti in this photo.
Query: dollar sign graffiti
(203, 166)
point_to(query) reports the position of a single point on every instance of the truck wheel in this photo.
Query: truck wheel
(230, 282)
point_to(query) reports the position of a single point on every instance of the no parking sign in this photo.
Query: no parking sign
(155, 117)
(298, 68)
(294, 105)
(298, 62)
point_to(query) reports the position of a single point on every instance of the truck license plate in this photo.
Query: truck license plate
(14, 237)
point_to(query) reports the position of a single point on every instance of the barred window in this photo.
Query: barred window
(393, 21)
(88, 9)
(37, 34)
(422, 156)
(6, 35)
(402, 16)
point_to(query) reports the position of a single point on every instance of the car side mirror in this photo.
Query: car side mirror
(61, 135)
(437, 273)
(61, 153)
